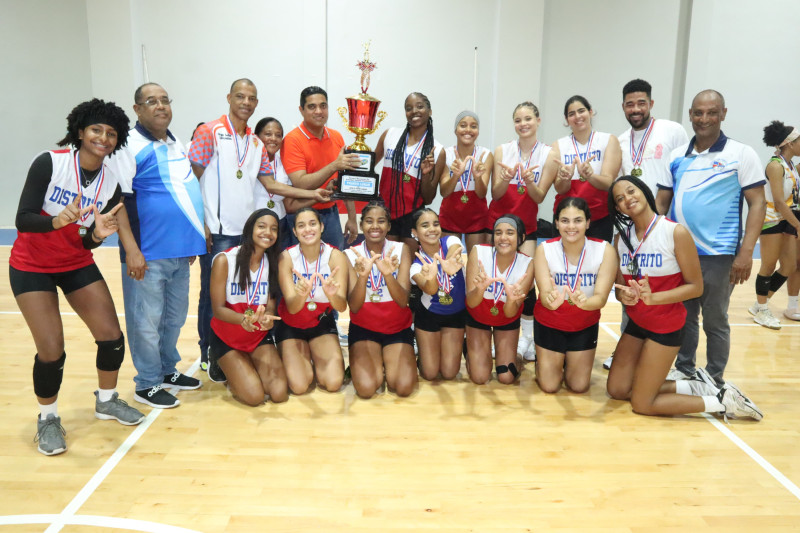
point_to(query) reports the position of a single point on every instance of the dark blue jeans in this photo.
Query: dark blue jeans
(220, 243)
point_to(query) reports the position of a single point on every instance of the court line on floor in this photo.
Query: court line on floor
(754, 455)
(94, 520)
(86, 492)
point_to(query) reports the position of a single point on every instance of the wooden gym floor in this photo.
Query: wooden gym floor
(453, 457)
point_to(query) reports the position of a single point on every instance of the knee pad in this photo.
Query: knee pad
(511, 367)
(530, 301)
(762, 284)
(776, 281)
(110, 354)
(47, 377)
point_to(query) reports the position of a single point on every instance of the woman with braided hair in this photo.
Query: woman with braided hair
(779, 232)
(658, 270)
(411, 166)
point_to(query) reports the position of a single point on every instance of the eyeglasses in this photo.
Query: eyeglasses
(152, 102)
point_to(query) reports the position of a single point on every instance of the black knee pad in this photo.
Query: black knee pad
(110, 354)
(776, 281)
(762, 284)
(47, 377)
(511, 367)
(530, 301)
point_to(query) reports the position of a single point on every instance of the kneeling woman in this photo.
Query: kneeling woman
(575, 275)
(439, 321)
(313, 280)
(243, 291)
(659, 269)
(498, 279)
(380, 336)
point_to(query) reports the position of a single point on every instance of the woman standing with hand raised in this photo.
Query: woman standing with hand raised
(380, 338)
(243, 294)
(313, 281)
(590, 160)
(575, 275)
(464, 182)
(69, 204)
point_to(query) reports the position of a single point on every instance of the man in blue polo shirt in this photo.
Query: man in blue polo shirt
(165, 206)
(709, 180)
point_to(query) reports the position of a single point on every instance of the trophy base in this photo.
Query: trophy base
(359, 184)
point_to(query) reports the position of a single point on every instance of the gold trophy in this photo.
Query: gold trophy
(362, 183)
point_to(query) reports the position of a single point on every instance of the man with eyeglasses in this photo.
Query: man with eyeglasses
(230, 162)
(165, 206)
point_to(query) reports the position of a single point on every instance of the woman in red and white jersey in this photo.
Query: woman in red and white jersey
(498, 279)
(659, 269)
(411, 167)
(244, 287)
(380, 338)
(313, 281)
(589, 162)
(575, 274)
(464, 182)
(70, 203)
(524, 170)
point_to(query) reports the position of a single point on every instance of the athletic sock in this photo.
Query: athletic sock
(526, 327)
(712, 405)
(760, 307)
(105, 395)
(792, 302)
(51, 409)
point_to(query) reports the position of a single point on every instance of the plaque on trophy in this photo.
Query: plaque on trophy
(363, 118)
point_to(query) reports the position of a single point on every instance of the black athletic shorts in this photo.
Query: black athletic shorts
(357, 334)
(471, 322)
(326, 326)
(601, 229)
(426, 321)
(781, 227)
(401, 226)
(559, 341)
(219, 348)
(674, 338)
(69, 281)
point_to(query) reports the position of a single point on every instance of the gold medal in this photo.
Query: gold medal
(406, 178)
(520, 190)
(569, 301)
(445, 299)
(270, 204)
(312, 306)
(249, 312)
(464, 198)
(494, 310)
(82, 231)
(636, 172)
(239, 174)
(374, 297)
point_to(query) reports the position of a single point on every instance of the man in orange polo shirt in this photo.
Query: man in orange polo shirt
(312, 155)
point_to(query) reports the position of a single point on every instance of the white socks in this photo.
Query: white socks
(712, 405)
(51, 409)
(105, 395)
(792, 302)
(526, 327)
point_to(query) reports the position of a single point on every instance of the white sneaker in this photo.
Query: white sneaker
(765, 318)
(792, 314)
(737, 405)
(530, 353)
(753, 309)
(608, 361)
(676, 375)
(523, 344)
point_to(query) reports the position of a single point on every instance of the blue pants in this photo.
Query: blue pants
(220, 243)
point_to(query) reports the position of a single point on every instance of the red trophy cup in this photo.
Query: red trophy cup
(362, 183)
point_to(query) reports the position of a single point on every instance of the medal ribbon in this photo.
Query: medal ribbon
(578, 268)
(409, 160)
(316, 271)
(467, 169)
(239, 158)
(795, 178)
(374, 280)
(588, 148)
(441, 276)
(638, 155)
(644, 237)
(76, 159)
(498, 294)
(520, 181)
(260, 273)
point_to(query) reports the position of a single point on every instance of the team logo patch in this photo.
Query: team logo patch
(719, 164)
(659, 152)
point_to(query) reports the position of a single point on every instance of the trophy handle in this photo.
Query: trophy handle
(381, 116)
(342, 111)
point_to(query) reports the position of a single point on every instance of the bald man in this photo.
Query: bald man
(708, 178)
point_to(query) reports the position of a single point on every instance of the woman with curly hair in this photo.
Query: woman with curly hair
(69, 204)
(411, 167)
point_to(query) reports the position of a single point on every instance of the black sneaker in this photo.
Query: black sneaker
(181, 382)
(215, 373)
(156, 397)
(204, 359)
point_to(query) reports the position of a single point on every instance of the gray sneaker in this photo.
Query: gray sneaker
(50, 435)
(703, 384)
(116, 409)
(737, 405)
